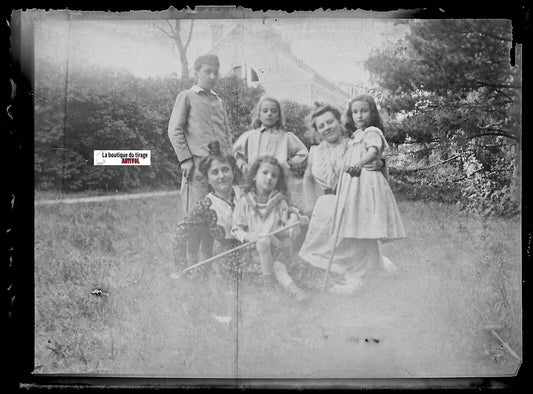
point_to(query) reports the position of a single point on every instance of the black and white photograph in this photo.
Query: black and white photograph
(260, 196)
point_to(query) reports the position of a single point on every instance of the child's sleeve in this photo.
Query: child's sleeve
(297, 151)
(373, 138)
(294, 211)
(240, 224)
(283, 212)
(240, 149)
(177, 127)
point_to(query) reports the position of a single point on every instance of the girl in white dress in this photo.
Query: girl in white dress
(366, 210)
(263, 209)
(320, 184)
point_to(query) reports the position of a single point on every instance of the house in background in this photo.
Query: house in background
(263, 57)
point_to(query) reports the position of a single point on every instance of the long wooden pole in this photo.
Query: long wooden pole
(188, 186)
(244, 245)
(336, 226)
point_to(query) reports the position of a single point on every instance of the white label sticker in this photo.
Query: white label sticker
(121, 157)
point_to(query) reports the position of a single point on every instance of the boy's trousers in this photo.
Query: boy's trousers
(193, 189)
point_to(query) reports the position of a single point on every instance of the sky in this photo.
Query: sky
(335, 47)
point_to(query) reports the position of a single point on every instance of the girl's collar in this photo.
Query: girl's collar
(232, 198)
(273, 199)
(264, 128)
(271, 195)
(357, 136)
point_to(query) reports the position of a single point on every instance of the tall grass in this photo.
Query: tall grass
(457, 274)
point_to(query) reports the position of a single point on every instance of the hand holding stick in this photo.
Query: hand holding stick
(303, 221)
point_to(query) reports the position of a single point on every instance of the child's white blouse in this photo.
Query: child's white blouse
(285, 146)
(250, 216)
(224, 210)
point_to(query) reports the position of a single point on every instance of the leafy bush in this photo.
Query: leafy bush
(295, 122)
(449, 84)
(458, 177)
(240, 100)
(105, 109)
(101, 109)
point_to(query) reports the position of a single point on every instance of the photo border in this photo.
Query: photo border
(19, 202)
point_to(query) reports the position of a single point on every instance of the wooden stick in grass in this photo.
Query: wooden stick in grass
(303, 221)
(336, 226)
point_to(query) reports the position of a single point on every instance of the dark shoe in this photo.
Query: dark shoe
(297, 293)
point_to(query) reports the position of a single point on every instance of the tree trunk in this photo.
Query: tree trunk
(185, 78)
(182, 46)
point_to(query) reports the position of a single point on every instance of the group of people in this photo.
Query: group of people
(235, 193)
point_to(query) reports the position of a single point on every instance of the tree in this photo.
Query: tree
(240, 100)
(450, 85)
(182, 45)
(296, 120)
(105, 109)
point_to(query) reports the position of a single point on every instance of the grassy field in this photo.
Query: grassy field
(458, 275)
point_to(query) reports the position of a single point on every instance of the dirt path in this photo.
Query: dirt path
(120, 197)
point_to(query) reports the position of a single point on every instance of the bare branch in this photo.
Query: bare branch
(467, 176)
(171, 27)
(496, 133)
(498, 85)
(423, 150)
(190, 35)
(430, 167)
(496, 37)
(177, 36)
(491, 126)
(164, 31)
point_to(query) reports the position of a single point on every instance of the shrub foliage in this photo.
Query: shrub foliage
(449, 88)
(102, 109)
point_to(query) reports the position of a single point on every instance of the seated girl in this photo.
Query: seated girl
(264, 209)
(214, 215)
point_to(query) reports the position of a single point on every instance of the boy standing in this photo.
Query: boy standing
(199, 117)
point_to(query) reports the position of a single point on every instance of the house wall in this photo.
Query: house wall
(297, 91)
(323, 94)
(279, 74)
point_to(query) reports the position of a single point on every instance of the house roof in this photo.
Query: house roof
(281, 48)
